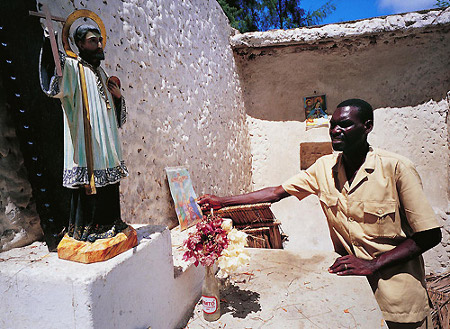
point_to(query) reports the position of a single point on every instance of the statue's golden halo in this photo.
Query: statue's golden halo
(71, 19)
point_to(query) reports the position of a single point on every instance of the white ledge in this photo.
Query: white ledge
(132, 290)
(308, 35)
(178, 237)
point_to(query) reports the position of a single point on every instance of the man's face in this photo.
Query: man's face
(92, 46)
(347, 132)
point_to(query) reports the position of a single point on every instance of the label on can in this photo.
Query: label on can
(209, 304)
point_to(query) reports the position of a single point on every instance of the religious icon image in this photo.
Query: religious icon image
(184, 197)
(315, 111)
(93, 110)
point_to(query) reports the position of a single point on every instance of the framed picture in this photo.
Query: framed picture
(315, 111)
(184, 197)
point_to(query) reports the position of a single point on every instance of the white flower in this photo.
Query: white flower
(234, 256)
(227, 224)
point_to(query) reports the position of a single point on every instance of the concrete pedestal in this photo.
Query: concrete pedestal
(136, 289)
(98, 251)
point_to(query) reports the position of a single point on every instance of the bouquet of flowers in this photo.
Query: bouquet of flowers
(215, 239)
(234, 256)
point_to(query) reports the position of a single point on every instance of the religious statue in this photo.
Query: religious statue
(93, 111)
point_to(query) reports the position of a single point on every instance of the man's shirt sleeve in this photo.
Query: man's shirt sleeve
(304, 183)
(419, 214)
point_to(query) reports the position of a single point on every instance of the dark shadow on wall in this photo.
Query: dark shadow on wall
(38, 119)
(395, 69)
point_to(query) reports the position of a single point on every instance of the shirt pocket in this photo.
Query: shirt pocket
(380, 219)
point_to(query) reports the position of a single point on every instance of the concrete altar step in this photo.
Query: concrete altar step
(136, 289)
(150, 287)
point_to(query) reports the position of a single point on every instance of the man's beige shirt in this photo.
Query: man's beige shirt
(383, 206)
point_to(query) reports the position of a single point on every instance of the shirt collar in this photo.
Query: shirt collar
(366, 168)
(368, 164)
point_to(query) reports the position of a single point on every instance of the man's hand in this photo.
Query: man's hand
(405, 251)
(114, 89)
(209, 201)
(351, 265)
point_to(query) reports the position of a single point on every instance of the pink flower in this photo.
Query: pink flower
(207, 243)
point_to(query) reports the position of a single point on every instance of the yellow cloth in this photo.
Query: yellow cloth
(382, 207)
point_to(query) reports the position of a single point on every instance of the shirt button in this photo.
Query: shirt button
(350, 219)
(380, 211)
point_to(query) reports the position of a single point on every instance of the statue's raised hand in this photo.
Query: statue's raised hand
(114, 87)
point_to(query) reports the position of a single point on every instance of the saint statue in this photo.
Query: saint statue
(93, 111)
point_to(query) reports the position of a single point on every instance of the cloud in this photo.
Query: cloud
(399, 6)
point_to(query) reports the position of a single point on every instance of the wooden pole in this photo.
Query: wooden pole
(54, 18)
(49, 25)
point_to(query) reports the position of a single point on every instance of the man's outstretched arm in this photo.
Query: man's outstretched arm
(268, 194)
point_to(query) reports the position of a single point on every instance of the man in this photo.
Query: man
(92, 216)
(379, 218)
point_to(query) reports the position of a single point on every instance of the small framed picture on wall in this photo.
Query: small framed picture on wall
(315, 111)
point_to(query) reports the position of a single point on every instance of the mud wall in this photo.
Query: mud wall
(398, 63)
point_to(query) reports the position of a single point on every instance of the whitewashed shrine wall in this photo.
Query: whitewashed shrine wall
(399, 64)
(183, 98)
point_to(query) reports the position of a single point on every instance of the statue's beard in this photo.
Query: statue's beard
(100, 55)
(89, 56)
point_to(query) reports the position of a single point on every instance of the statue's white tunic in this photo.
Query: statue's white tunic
(109, 166)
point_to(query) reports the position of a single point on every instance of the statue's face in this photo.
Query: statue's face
(91, 47)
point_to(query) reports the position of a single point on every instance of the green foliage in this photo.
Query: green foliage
(241, 14)
(263, 15)
(318, 15)
(442, 3)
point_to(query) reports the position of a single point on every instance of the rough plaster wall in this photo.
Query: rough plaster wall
(413, 21)
(275, 150)
(275, 158)
(183, 97)
(395, 69)
(420, 134)
(19, 221)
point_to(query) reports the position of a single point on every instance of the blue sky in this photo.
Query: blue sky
(348, 10)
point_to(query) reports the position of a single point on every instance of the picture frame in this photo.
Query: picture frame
(184, 197)
(316, 114)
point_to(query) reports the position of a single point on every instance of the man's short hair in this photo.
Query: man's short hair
(365, 110)
(82, 30)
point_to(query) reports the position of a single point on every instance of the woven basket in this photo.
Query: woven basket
(258, 237)
(258, 221)
(438, 287)
(248, 214)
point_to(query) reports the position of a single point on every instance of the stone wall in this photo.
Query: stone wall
(397, 63)
(183, 97)
(420, 133)
(19, 221)
(184, 103)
